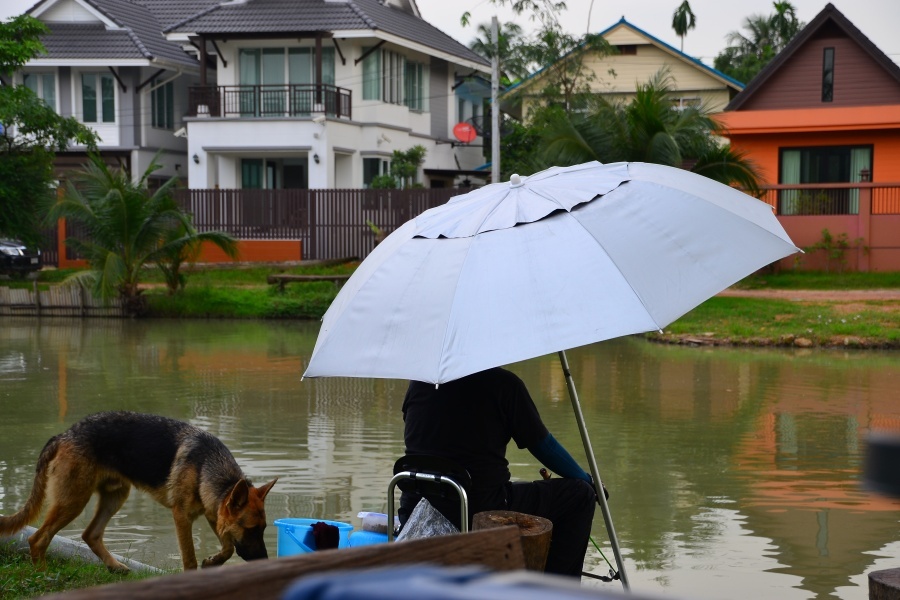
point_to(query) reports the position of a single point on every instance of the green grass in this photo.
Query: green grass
(298, 301)
(767, 321)
(817, 280)
(224, 291)
(20, 579)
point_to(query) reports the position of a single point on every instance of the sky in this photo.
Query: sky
(877, 19)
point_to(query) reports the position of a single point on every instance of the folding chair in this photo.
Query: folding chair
(424, 474)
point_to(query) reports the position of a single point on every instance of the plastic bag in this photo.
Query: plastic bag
(426, 521)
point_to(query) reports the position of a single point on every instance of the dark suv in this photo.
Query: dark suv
(17, 260)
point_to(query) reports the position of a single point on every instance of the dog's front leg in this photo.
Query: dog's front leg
(185, 540)
(222, 555)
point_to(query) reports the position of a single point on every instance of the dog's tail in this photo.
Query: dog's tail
(15, 523)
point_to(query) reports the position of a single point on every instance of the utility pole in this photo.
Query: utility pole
(495, 106)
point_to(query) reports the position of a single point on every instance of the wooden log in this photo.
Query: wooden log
(498, 550)
(283, 278)
(535, 533)
(884, 585)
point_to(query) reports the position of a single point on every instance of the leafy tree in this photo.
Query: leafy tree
(129, 228)
(646, 129)
(404, 167)
(510, 46)
(520, 145)
(748, 53)
(566, 79)
(30, 134)
(683, 21)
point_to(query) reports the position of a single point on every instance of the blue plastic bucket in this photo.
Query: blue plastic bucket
(295, 536)
(365, 538)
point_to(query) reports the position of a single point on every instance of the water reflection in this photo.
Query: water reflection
(733, 473)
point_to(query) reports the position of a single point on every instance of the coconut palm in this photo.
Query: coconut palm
(784, 23)
(763, 37)
(683, 20)
(128, 228)
(646, 129)
(513, 65)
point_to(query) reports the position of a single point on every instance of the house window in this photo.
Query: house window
(271, 69)
(98, 98)
(822, 164)
(828, 75)
(43, 85)
(684, 103)
(416, 86)
(162, 105)
(252, 173)
(372, 168)
(627, 49)
(393, 68)
(372, 75)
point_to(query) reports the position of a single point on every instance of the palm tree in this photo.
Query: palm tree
(784, 23)
(128, 228)
(683, 20)
(747, 53)
(513, 65)
(646, 129)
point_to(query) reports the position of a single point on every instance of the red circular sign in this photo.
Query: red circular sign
(464, 132)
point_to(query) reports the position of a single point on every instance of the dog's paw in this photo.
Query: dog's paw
(118, 569)
(212, 561)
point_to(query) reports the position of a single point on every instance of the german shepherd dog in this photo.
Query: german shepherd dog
(183, 467)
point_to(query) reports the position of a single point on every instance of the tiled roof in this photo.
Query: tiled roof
(89, 41)
(293, 16)
(140, 36)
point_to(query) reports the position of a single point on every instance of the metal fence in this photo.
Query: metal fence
(831, 199)
(329, 223)
(269, 100)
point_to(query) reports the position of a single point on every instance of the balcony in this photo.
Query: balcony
(289, 100)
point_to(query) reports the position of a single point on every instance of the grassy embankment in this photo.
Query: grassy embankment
(19, 578)
(244, 293)
(785, 321)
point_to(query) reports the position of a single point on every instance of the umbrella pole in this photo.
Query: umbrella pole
(595, 473)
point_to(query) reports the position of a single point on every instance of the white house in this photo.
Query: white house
(294, 93)
(108, 65)
(318, 93)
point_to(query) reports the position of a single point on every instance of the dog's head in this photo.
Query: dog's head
(242, 519)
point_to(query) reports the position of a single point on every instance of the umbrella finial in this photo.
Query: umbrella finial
(515, 181)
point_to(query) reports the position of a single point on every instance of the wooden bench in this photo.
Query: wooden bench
(495, 549)
(283, 278)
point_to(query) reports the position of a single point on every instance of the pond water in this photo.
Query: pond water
(733, 473)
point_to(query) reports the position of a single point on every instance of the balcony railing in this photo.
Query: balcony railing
(294, 100)
(822, 199)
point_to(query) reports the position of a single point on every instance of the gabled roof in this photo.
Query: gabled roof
(654, 41)
(829, 15)
(126, 31)
(269, 17)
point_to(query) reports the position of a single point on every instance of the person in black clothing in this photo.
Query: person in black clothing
(471, 421)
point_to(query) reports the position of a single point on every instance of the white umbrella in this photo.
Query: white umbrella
(563, 258)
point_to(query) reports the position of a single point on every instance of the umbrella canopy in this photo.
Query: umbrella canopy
(563, 258)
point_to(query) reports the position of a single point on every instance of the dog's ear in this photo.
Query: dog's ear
(264, 490)
(237, 497)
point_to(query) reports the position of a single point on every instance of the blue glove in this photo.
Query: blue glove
(553, 456)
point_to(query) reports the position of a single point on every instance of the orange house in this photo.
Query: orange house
(822, 124)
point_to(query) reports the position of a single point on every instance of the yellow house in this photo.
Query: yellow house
(638, 57)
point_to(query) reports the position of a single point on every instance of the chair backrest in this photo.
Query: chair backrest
(432, 465)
